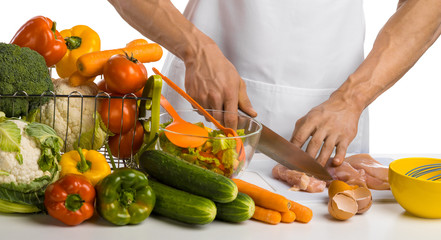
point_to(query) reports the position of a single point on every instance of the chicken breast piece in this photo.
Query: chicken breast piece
(377, 175)
(299, 180)
(360, 169)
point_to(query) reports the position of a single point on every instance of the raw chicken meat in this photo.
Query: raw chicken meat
(299, 180)
(360, 169)
(370, 171)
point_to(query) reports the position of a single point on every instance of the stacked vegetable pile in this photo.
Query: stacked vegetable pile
(36, 177)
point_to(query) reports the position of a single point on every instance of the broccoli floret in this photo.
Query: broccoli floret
(22, 69)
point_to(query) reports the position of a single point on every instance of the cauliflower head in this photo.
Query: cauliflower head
(29, 161)
(28, 170)
(80, 115)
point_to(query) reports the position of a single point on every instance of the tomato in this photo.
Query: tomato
(124, 74)
(102, 86)
(112, 119)
(126, 147)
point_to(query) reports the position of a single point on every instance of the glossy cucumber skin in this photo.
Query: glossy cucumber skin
(175, 172)
(239, 210)
(182, 206)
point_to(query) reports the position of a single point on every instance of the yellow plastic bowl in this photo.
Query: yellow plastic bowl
(418, 196)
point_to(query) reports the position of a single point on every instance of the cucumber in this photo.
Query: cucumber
(173, 171)
(241, 209)
(182, 206)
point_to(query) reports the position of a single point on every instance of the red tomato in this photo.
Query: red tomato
(112, 119)
(103, 87)
(126, 148)
(124, 74)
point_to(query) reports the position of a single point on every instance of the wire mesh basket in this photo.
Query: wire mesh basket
(74, 105)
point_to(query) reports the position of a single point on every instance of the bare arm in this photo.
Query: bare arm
(210, 78)
(401, 42)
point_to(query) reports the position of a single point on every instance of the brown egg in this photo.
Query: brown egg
(364, 199)
(343, 205)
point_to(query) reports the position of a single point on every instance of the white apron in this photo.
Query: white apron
(292, 54)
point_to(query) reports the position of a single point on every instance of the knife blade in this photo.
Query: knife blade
(286, 153)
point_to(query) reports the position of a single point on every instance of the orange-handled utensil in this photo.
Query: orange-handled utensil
(182, 133)
(229, 132)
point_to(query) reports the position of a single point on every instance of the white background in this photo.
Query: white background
(404, 120)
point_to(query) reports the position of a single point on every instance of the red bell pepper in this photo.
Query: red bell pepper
(40, 34)
(70, 199)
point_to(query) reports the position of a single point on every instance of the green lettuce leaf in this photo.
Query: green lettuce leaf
(10, 138)
(168, 146)
(228, 158)
(94, 138)
(2, 116)
(222, 143)
(19, 158)
(50, 144)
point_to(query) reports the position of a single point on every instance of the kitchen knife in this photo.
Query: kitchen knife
(286, 153)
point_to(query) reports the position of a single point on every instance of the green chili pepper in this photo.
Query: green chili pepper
(124, 197)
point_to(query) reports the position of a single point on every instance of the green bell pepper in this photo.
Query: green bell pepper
(124, 197)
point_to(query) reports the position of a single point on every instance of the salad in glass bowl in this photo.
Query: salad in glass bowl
(218, 152)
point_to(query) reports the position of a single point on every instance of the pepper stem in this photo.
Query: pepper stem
(83, 165)
(54, 29)
(73, 42)
(126, 197)
(73, 202)
(112, 161)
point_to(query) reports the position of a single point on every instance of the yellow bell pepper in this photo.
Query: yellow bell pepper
(89, 163)
(80, 40)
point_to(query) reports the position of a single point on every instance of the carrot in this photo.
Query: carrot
(263, 197)
(267, 215)
(92, 64)
(76, 79)
(137, 42)
(303, 213)
(288, 217)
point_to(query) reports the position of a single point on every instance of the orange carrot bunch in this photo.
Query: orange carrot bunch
(273, 208)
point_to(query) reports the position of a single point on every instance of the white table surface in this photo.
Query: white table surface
(385, 220)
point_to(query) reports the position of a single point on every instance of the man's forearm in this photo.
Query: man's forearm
(401, 42)
(160, 21)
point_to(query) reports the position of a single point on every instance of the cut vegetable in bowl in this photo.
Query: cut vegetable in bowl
(218, 152)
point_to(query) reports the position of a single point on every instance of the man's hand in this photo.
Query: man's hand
(214, 83)
(332, 124)
(210, 78)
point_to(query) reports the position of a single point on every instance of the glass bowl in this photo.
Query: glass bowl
(218, 153)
